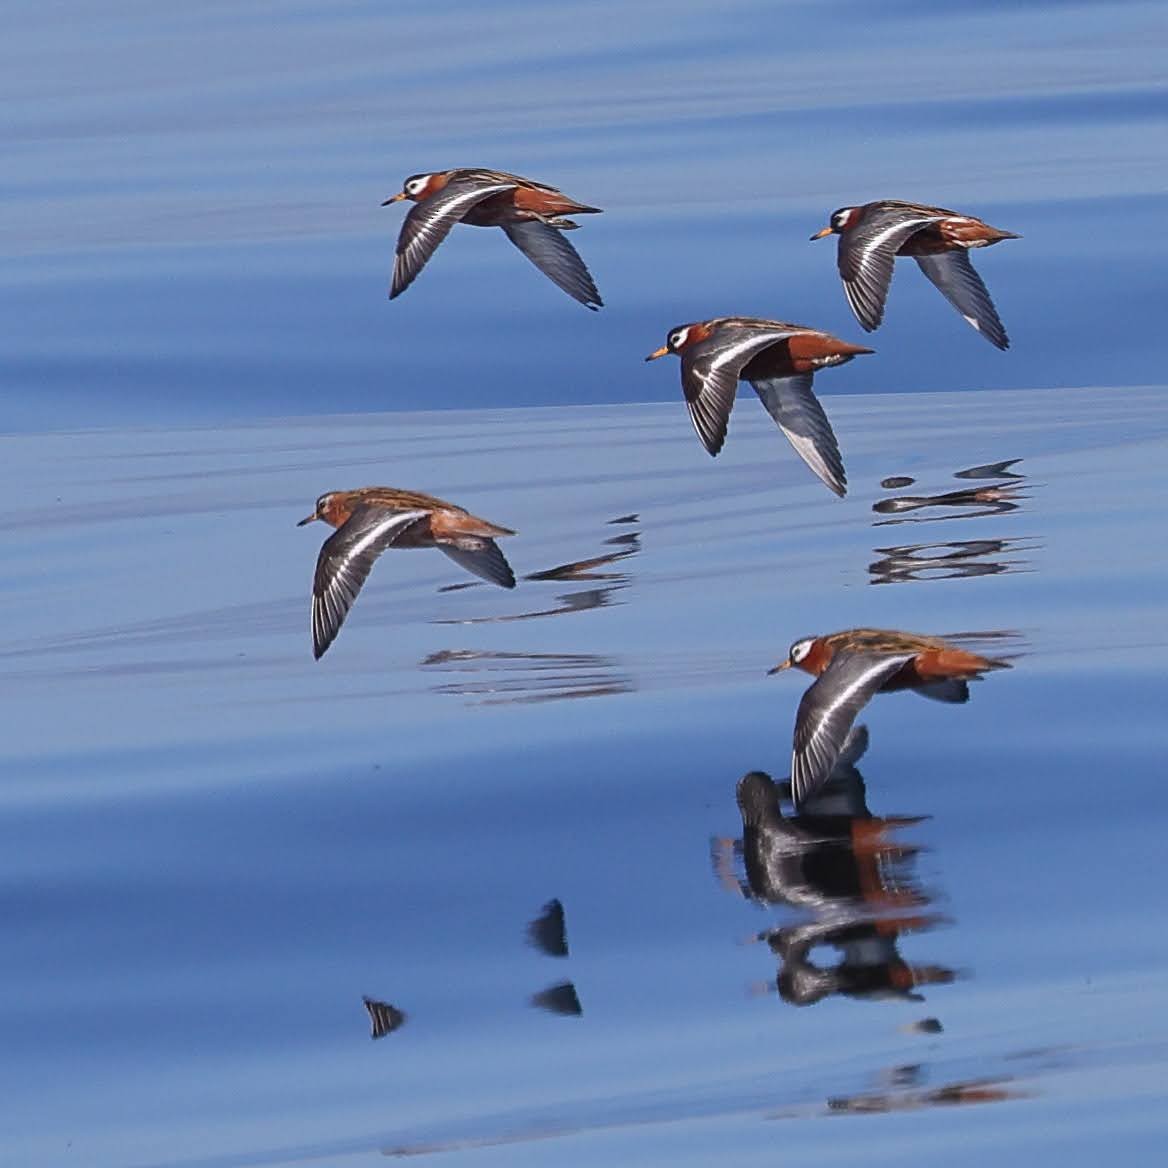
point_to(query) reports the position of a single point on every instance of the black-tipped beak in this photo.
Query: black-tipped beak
(306, 519)
(821, 233)
(394, 198)
(658, 353)
(779, 668)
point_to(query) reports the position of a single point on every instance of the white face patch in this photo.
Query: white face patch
(800, 649)
(677, 338)
(417, 185)
(842, 218)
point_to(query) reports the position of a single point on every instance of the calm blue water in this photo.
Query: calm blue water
(212, 848)
(192, 230)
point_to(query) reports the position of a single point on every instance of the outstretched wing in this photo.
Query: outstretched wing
(429, 223)
(827, 711)
(866, 255)
(953, 274)
(343, 565)
(709, 376)
(793, 405)
(481, 556)
(547, 248)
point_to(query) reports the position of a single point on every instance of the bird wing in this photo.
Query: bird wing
(383, 1017)
(953, 275)
(709, 377)
(866, 255)
(827, 711)
(344, 563)
(429, 222)
(547, 248)
(481, 557)
(796, 409)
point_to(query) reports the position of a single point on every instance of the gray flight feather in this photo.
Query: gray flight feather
(796, 409)
(954, 276)
(547, 248)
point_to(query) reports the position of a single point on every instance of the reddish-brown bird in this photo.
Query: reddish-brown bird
(873, 235)
(532, 214)
(852, 666)
(371, 519)
(779, 360)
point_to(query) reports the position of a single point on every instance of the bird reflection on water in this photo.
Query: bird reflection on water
(845, 868)
(955, 559)
(498, 677)
(625, 545)
(994, 498)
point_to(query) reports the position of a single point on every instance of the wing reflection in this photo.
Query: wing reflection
(966, 503)
(561, 998)
(949, 1095)
(843, 867)
(991, 470)
(547, 932)
(948, 561)
(593, 568)
(497, 678)
(383, 1018)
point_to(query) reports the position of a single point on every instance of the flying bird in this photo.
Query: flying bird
(851, 667)
(873, 235)
(371, 519)
(532, 214)
(779, 360)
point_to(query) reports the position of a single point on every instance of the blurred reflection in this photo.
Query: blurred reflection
(924, 1026)
(843, 867)
(948, 561)
(547, 932)
(991, 500)
(625, 545)
(949, 1095)
(991, 470)
(966, 503)
(383, 1017)
(496, 678)
(870, 965)
(559, 999)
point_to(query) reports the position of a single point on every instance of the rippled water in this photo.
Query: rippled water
(214, 847)
(223, 864)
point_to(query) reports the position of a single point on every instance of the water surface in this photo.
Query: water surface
(214, 847)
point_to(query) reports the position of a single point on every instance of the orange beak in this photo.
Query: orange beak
(779, 668)
(308, 519)
(395, 198)
(821, 234)
(658, 353)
